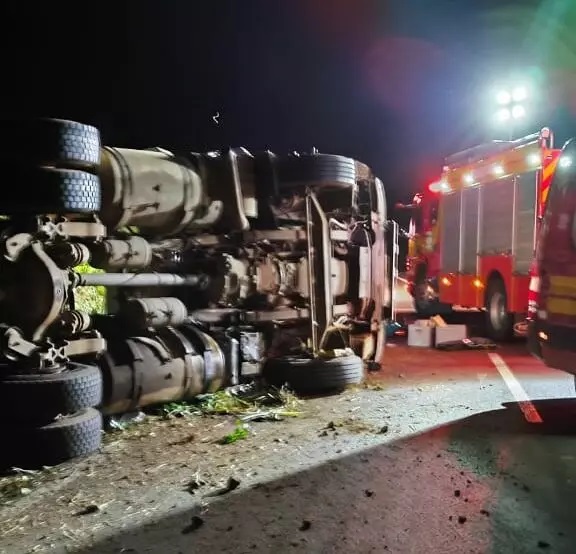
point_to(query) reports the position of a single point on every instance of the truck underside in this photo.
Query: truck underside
(218, 267)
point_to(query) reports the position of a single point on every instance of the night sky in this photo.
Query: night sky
(395, 83)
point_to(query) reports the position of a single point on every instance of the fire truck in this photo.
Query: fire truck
(473, 231)
(553, 326)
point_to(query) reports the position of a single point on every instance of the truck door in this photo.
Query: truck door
(556, 258)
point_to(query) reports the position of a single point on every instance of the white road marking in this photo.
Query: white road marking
(520, 395)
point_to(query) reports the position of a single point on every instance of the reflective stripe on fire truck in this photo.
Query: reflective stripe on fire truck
(562, 295)
(547, 174)
(533, 296)
(533, 291)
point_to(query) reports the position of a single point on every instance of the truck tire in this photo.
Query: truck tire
(315, 170)
(44, 190)
(66, 438)
(36, 396)
(314, 375)
(499, 321)
(49, 142)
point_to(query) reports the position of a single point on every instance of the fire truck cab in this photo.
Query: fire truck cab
(474, 233)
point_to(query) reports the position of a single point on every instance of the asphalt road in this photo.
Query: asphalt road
(465, 452)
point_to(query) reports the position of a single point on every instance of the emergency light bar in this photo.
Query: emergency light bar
(496, 159)
(482, 151)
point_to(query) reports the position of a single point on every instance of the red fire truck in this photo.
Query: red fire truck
(473, 231)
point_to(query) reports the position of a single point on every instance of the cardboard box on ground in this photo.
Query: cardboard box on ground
(424, 333)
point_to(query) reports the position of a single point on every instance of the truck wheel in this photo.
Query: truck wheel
(44, 190)
(314, 375)
(499, 322)
(36, 396)
(315, 170)
(68, 437)
(49, 142)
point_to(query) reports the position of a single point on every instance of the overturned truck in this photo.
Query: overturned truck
(219, 267)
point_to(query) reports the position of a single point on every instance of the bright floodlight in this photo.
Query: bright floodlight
(469, 179)
(503, 115)
(519, 94)
(534, 159)
(518, 112)
(498, 170)
(503, 97)
(565, 161)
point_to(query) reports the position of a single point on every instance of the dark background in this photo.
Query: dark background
(395, 83)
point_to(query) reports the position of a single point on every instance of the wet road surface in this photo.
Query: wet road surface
(448, 457)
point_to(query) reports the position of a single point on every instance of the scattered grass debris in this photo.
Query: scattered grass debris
(240, 433)
(247, 402)
(368, 384)
(19, 483)
(125, 421)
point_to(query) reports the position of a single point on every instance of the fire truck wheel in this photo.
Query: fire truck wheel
(50, 142)
(499, 321)
(315, 170)
(314, 375)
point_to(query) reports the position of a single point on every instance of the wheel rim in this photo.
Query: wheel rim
(497, 310)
